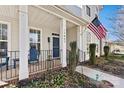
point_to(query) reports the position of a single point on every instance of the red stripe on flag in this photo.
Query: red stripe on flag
(94, 31)
(101, 30)
(99, 33)
(104, 30)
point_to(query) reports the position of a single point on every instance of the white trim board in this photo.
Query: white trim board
(8, 34)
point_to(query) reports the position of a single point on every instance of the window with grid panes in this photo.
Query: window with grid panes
(35, 38)
(3, 39)
(88, 11)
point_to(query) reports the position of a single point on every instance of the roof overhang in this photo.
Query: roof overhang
(57, 11)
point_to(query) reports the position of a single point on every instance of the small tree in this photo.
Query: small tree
(73, 57)
(92, 54)
(106, 51)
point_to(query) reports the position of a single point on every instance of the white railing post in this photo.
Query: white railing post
(23, 42)
(63, 42)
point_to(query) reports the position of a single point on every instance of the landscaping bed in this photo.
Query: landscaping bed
(57, 79)
(110, 66)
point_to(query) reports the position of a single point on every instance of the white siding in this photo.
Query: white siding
(10, 14)
(71, 36)
(47, 23)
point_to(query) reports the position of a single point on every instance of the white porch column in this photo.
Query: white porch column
(23, 42)
(84, 43)
(63, 42)
(79, 42)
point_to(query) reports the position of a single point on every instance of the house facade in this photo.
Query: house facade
(116, 47)
(46, 27)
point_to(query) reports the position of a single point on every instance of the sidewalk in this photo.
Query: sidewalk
(116, 81)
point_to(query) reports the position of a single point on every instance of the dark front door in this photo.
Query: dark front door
(55, 47)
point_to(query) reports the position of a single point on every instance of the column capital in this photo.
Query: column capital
(23, 9)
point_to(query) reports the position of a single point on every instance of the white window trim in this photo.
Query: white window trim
(86, 10)
(41, 37)
(8, 34)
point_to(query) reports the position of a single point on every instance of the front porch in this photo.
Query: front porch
(51, 35)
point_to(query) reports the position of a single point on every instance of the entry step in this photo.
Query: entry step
(3, 84)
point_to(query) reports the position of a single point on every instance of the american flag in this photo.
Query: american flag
(97, 28)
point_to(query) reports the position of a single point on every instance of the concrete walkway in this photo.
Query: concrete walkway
(98, 75)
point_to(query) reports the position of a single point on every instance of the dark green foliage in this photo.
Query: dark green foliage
(59, 79)
(92, 54)
(106, 51)
(77, 56)
(73, 57)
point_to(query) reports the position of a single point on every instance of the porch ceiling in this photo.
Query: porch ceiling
(40, 18)
(70, 25)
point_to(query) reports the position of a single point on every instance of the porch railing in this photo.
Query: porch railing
(7, 70)
(9, 64)
(46, 62)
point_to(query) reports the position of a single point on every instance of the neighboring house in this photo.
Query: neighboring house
(116, 47)
(46, 27)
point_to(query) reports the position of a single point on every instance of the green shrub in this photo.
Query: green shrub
(106, 51)
(73, 57)
(58, 80)
(92, 54)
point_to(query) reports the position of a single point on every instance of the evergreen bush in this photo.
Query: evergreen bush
(92, 54)
(73, 57)
(106, 51)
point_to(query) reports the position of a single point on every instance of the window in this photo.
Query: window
(3, 40)
(35, 38)
(97, 9)
(88, 10)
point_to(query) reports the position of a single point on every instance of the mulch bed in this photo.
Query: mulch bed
(110, 66)
(58, 79)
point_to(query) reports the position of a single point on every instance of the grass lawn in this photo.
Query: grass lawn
(117, 57)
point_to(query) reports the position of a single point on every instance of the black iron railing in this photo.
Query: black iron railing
(47, 60)
(7, 69)
(9, 64)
